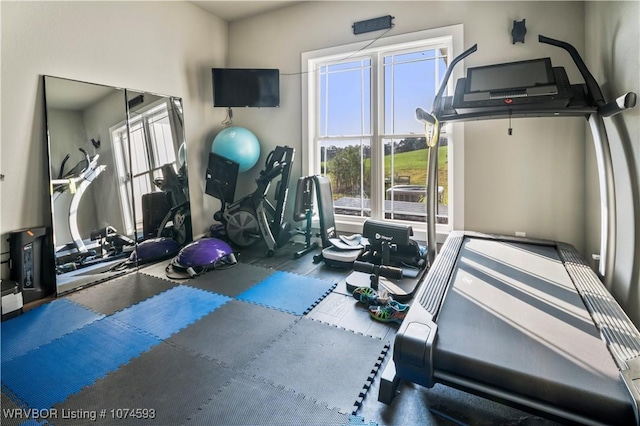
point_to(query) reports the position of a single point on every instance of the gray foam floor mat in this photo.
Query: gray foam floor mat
(68, 284)
(345, 312)
(302, 266)
(120, 293)
(347, 361)
(158, 270)
(328, 273)
(165, 379)
(283, 260)
(256, 255)
(235, 333)
(247, 401)
(228, 282)
(101, 268)
(10, 411)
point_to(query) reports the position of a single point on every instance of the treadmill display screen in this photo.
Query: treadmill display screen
(510, 76)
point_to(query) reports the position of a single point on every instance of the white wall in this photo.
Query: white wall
(531, 181)
(613, 56)
(160, 47)
(104, 193)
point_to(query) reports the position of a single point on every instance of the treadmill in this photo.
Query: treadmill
(523, 322)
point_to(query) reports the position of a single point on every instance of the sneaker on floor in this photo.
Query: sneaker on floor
(393, 312)
(371, 297)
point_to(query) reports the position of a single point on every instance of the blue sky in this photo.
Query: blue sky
(413, 86)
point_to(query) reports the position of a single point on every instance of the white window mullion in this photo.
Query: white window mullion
(149, 151)
(436, 74)
(325, 131)
(361, 177)
(392, 94)
(377, 150)
(362, 131)
(316, 122)
(310, 89)
(393, 130)
(362, 104)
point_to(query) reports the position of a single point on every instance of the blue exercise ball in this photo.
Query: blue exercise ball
(239, 145)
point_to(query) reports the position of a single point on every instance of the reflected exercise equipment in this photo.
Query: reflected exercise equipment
(76, 181)
(126, 139)
(159, 167)
(105, 242)
(174, 188)
(86, 221)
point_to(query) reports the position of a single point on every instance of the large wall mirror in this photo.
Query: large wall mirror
(118, 177)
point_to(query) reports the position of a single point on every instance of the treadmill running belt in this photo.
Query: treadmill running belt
(513, 320)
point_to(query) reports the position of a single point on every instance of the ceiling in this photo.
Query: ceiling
(73, 95)
(240, 9)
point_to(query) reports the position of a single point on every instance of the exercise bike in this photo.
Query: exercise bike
(253, 217)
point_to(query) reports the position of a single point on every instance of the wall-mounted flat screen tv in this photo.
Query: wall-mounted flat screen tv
(243, 87)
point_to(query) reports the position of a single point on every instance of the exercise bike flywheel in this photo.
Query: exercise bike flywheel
(242, 227)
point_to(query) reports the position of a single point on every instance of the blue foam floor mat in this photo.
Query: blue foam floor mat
(288, 292)
(49, 374)
(42, 325)
(171, 311)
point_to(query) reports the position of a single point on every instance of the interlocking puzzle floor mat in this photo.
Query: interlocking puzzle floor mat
(186, 353)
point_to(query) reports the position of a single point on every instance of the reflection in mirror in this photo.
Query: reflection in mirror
(89, 228)
(118, 177)
(160, 208)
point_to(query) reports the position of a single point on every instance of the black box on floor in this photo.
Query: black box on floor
(31, 262)
(11, 300)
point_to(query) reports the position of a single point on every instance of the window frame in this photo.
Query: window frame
(452, 37)
(122, 151)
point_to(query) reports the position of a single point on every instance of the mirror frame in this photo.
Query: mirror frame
(124, 248)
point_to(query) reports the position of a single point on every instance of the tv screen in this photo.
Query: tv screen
(240, 87)
(514, 75)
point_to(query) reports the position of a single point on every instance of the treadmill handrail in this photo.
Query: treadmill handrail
(593, 88)
(436, 101)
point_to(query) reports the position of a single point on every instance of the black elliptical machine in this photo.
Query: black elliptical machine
(253, 217)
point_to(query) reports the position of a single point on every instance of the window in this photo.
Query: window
(151, 147)
(361, 127)
(344, 134)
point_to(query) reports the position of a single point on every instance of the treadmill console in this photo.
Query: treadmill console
(513, 85)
